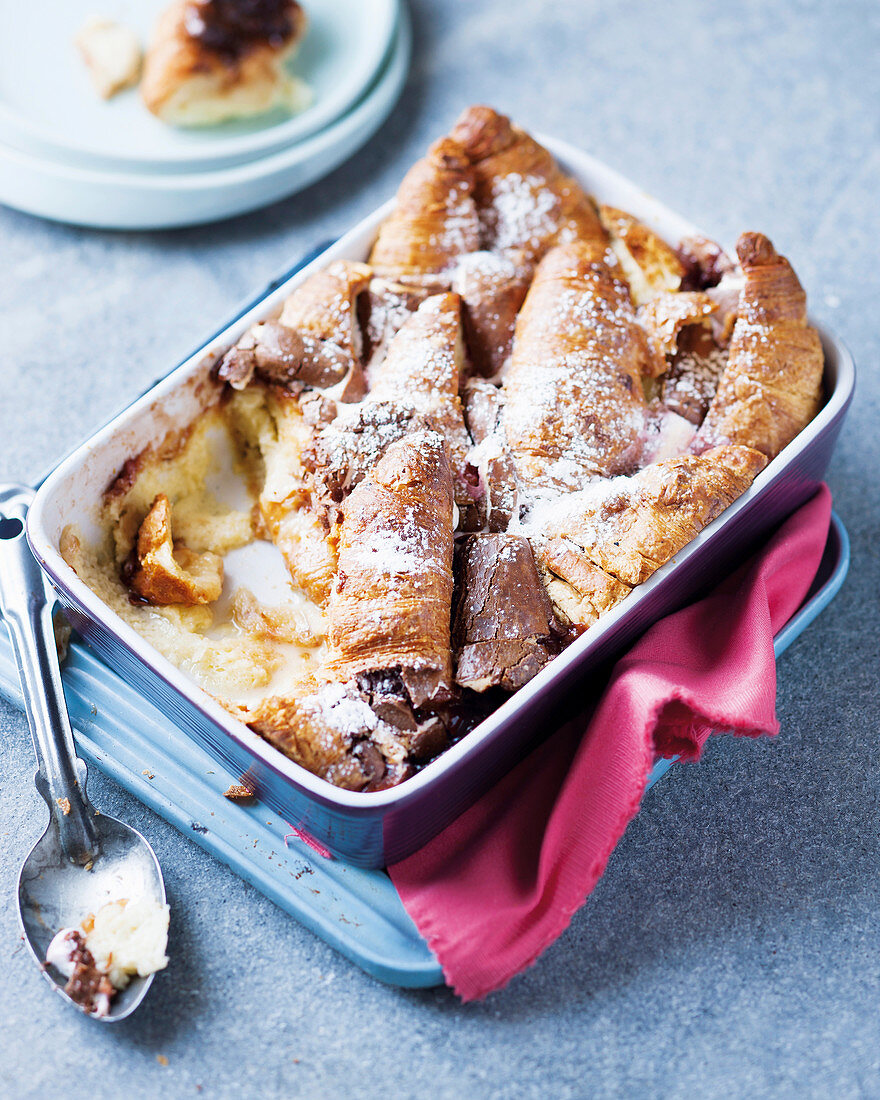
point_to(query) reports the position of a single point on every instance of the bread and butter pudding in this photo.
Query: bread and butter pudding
(465, 451)
(99, 958)
(214, 60)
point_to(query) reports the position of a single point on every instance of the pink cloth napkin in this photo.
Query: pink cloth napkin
(500, 883)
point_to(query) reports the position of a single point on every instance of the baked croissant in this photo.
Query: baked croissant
(383, 310)
(681, 328)
(492, 289)
(692, 379)
(504, 628)
(434, 220)
(390, 607)
(317, 340)
(490, 455)
(413, 388)
(526, 202)
(575, 407)
(325, 306)
(629, 527)
(325, 728)
(772, 385)
(212, 60)
(354, 737)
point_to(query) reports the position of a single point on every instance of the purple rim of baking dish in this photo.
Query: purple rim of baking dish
(373, 829)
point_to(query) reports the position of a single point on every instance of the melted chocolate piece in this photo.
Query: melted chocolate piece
(231, 28)
(704, 262)
(87, 985)
(504, 628)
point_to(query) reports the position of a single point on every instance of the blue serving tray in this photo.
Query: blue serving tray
(354, 910)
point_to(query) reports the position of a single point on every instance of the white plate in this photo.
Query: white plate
(118, 200)
(48, 105)
(143, 200)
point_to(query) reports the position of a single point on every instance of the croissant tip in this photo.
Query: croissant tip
(482, 132)
(449, 154)
(755, 250)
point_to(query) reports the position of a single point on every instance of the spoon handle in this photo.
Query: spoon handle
(27, 610)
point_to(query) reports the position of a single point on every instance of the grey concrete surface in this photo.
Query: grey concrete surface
(733, 947)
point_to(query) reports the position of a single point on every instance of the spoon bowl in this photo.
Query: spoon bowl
(54, 892)
(84, 859)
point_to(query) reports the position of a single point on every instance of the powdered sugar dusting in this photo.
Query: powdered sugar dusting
(393, 549)
(523, 212)
(575, 406)
(342, 709)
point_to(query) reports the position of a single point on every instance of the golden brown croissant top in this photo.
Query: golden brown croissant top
(325, 306)
(423, 369)
(772, 385)
(629, 527)
(575, 407)
(526, 201)
(425, 358)
(434, 220)
(391, 603)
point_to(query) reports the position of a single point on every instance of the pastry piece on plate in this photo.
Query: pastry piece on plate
(629, 527)
(433, 223)
(526, 202)
(504, 629)
(574, 403)
(389, 613)
(772, 385)
(214, 60)
(649, 265)
(112, 55)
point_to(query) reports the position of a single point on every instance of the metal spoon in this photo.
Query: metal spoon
(83, 859)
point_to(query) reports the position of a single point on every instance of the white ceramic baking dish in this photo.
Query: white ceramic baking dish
(376, 828)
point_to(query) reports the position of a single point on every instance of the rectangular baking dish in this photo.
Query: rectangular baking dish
(377, 828)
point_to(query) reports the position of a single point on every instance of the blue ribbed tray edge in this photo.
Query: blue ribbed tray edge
(356, 911)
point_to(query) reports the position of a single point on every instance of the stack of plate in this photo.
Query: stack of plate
(68, 155)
